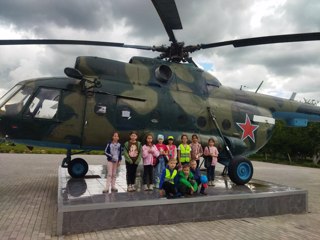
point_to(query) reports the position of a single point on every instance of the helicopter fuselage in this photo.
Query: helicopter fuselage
(145, 95)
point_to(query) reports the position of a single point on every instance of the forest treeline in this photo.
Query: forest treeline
(294, 144)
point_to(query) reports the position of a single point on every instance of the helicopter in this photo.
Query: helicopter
(168, 94)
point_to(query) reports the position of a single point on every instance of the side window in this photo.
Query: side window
(45, 104)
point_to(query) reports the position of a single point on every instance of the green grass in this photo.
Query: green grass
(19, 148)
(6, 147)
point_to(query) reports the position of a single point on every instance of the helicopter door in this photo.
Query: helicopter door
(70, 118)
(99, 120)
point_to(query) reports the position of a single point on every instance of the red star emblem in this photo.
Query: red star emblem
(248, 129)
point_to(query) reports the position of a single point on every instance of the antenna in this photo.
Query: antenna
(259, 87)
(293, 96)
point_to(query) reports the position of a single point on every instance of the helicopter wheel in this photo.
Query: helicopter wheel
(78, 168)
(240, 170)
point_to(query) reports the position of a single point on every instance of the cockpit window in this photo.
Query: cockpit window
(9, 94)
(45, 104)
(15, 99)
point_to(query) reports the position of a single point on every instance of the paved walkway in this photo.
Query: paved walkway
(28, 205)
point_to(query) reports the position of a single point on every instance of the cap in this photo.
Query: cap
(170, 137)
(160, 136)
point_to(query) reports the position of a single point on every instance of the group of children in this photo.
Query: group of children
(173, 170)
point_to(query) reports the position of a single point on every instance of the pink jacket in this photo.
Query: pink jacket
(148, 156)
(212, 150)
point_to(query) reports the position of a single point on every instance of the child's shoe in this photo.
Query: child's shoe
(177, 195)
(145, 187)
(114, 190)
(105, 191)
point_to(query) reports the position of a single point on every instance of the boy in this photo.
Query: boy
(187, 183)
(197, 175)
(169, 179)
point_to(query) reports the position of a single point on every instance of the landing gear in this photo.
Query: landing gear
(77, 168)
(240, 170)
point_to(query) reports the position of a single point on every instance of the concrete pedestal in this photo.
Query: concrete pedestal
(82, 207)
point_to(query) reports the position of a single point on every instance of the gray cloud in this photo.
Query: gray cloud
(36, 15)
(137, 22)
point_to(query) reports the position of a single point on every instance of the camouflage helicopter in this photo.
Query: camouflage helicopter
(168, 94)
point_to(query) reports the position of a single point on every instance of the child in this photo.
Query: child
(162, 159)
(113, 152)
(184, 151)
(132, 155)
(187, 184)
(212, 151)
(197, 175)
(172, 149)
(196, 149)
(149, 152)
(168, 179)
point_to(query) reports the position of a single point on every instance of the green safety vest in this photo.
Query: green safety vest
(184, 153)
(170, 177)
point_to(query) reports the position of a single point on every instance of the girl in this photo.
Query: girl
(149, 152)
(184, 151)
(212, 151)
(196, 149)
(113, 152)
(132, 155)
(172, 149)
(162, 159)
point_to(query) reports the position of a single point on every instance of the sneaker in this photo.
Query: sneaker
(145, 187)
(129, 188)
(114, 190)
(105, 191)
(170, 196)
(151, 187)
(177, 195)
(133, 188)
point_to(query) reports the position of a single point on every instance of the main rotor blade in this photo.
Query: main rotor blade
(169, 16)
(69, 42)
(300, 37)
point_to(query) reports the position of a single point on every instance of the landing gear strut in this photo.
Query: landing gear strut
(78, 167)
(239, 168)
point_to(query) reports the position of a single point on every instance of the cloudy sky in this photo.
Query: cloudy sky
(284, 68)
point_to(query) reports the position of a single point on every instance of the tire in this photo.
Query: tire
(240, 170)
(78, 168)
